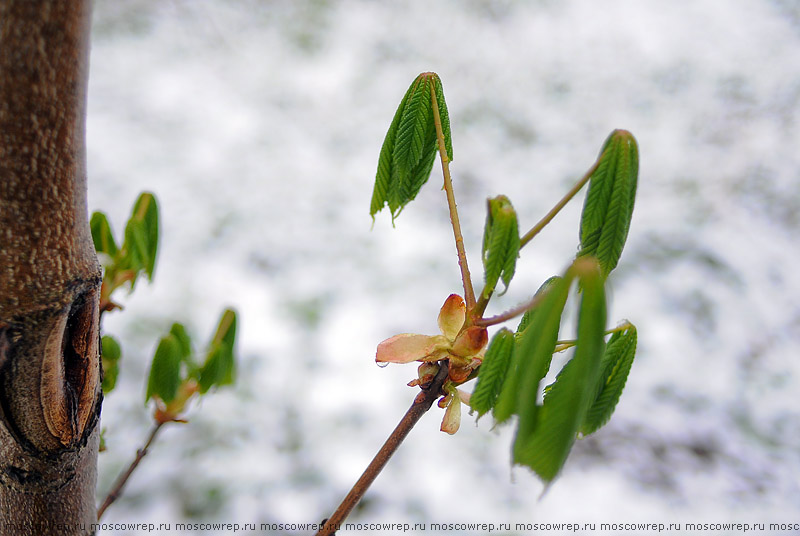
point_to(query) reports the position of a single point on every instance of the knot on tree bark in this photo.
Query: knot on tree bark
(50, 374)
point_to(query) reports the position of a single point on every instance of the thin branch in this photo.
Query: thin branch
(558, 206)
(116, 489)
(469, 292)
(422, 403)
(511, 313)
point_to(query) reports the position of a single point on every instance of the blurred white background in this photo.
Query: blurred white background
(258, 126)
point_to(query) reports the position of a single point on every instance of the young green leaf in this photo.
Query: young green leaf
(493, 372)
(535, 348)
(383, 178)
(413, 128)
(445, 116)
(409, 148)
(184, 341)
(614, 367)
(141, 237)
(422, 171)
(507, 400)
(532, 355)
(500, 243)
(219, 366)
(544, 444)
(165, 369)
(102, 236)
(608, 207)
(111, 354)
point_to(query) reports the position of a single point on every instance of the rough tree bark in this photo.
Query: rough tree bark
(49, 275)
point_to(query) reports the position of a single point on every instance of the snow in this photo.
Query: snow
(258, 126)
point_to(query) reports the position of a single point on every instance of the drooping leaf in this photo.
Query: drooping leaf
(532, 355)
(219, 366)
(420, 174)
(111, 353)
(545, 445)
(608, 207)
(383, 178)
(493, 372)
(413, 128)
(445, 116)
(508, 399)
(409, 148)
(164, 377)
(102, 236)
(413, 145)
(500, 243)
(535, 348)
(614, 369)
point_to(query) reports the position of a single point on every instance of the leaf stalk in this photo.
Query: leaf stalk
(469, 291)
(527, 237)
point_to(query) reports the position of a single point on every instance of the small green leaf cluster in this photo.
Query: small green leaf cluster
(136, 255)
(176, 374)
(585, 391)
(409, 148)
(511, 375)
(546, 432)
(122, 265)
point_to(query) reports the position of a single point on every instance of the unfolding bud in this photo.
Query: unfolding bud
(170, 412)
(425, 375)
(452, 343)
(452, 316)
(470, 341)
(408, 347)
(462, 347)
(460, 373)
(452, 402)
(501, 243)
(452, 415)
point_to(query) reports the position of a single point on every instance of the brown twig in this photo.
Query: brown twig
(116, 489)
(422, 403)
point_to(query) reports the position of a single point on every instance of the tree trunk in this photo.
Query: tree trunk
(49, 276)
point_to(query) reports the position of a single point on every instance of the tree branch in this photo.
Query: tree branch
(116, 489)
(49, 275)
(422, 403)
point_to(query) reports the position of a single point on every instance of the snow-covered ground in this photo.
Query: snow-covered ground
(258, 126)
